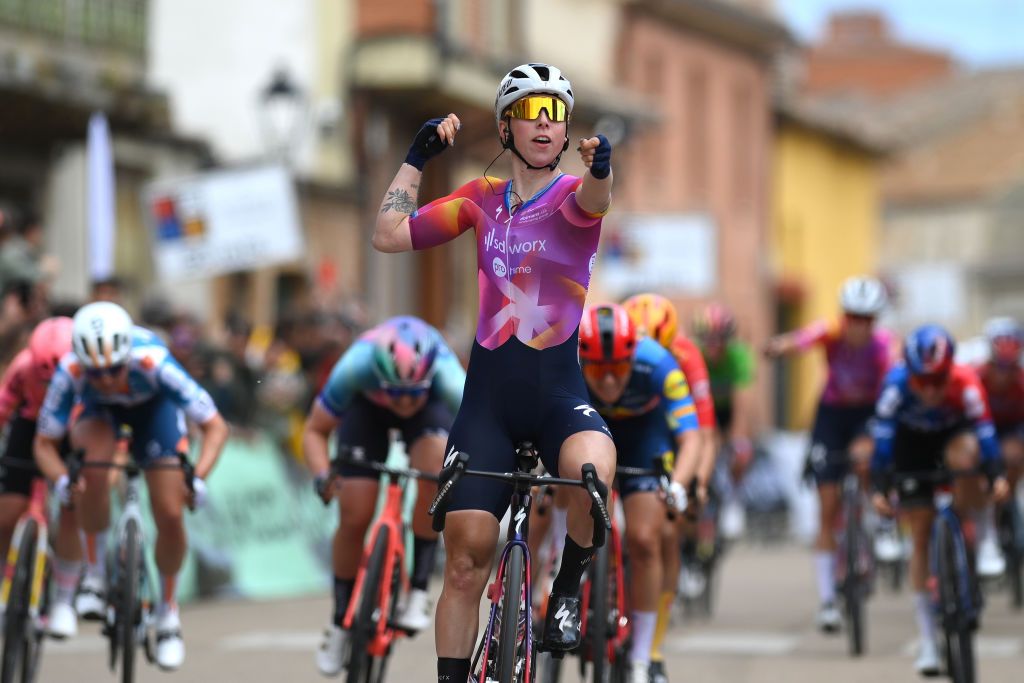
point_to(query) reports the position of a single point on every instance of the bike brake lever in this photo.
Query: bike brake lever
(439, 506)
(598, 509)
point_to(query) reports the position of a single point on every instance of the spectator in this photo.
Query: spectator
(108, 289)
(22, 257)
(230, 379)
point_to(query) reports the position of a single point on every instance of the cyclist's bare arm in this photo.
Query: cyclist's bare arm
(781, 345)
(742, 401)
(215, 434)
(707, 456)
(47, 456)
(594, 195)
(688, 447)
(391, 233)
(315, 435)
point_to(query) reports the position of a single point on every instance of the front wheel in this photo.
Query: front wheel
(364, 626)
(602, 589)
(955, 623)
(129, 609)
(854, 585)
(511, 661)
(19, 633)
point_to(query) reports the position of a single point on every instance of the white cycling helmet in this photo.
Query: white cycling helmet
(529, 79)
(998, 328)
(863, 296)
(102, 335)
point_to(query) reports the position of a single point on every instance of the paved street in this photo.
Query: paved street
(761, 634)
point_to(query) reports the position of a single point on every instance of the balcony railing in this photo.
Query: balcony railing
(118, 25)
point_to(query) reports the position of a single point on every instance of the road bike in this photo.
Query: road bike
(382, 580)
(506, 652)
(24, 594)
(1011, 539)
(854, 562)
(132, 591)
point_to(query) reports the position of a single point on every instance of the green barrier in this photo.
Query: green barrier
(263, 533)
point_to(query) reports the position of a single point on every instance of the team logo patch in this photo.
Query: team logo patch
(676, 388)
(499, 267)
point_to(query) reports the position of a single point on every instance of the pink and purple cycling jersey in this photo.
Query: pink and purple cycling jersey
(855, 374)
(533, 268)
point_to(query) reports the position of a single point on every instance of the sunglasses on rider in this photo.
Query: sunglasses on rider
(416, 390)
(111, 371)
(529, 108)
(596, 371)
(936, 381)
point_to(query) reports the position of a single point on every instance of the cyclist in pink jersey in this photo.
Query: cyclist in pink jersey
(858, 356)
(22, 390)
(537, 237)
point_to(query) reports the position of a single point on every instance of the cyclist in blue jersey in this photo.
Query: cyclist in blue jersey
(398, 375)
(932, 413)
(536, 240)
(120, 376)
(639, 388)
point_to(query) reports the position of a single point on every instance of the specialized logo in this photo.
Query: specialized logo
(497, 212)
(491, 241)
(520, 518)
(450, 457)
(499, 267)
(585, 409)
(564, 618)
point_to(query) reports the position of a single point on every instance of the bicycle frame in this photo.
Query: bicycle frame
(946, 515)
(391, 519)
(518, 532)
(133, 511)
(622, 623)
(36, 511)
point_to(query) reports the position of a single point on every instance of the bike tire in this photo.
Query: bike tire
(854, 590)
(17, 639)
(1015, 575)
(550, 668)
(511, 606)
(958, 633)
(364, 627)
(381, 663)
(602, 589)
(129, 609)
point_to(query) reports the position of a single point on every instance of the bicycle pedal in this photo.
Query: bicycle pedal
(409, 632)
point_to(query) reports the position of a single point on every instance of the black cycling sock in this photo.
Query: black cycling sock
(451, 670)
(574, 562)
(342, 596)
(423, 551)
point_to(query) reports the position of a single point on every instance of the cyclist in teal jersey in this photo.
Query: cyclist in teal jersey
(400, 375)
(537, 237)
(731, 374)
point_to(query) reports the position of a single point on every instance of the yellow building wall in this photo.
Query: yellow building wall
(825, 230)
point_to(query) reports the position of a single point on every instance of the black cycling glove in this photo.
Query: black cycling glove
(602, 164)
(426, 145)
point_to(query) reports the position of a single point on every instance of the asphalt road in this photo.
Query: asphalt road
(762, 632)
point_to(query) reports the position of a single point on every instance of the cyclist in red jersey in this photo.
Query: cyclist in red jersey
(22, 391)
(1003, 378)
(656, 317)
(537, 238)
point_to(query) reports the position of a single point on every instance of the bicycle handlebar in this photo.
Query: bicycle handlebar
(590, 482)
(75, 465)
(657, 471)
(374, 466)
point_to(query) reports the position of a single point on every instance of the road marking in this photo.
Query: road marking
(985, 646)
(734, 642)
(286, 641)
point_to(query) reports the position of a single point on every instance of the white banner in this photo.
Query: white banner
(666, 253)
(223, 221)
(100, 198)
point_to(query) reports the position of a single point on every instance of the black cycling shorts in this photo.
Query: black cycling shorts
(835, 428)
(517, 393)
(638, 441)
(20, 435)
(917, 451)
(365, 426)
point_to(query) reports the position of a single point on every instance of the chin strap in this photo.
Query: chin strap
(510, 143)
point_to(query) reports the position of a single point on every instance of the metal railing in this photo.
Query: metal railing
(119, 25)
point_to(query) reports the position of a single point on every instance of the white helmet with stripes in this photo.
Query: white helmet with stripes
(863, 296)
(102, 335)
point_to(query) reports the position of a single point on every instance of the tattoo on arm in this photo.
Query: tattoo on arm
(399, 200)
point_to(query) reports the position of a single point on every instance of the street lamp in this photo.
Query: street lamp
(283, 114)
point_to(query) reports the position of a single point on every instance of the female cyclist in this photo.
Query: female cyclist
(536, 236)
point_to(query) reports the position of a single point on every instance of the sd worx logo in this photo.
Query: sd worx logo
(491, 241)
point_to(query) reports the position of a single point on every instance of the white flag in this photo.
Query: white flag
(100, 199)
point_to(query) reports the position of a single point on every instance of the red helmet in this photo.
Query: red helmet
(607, 334)
(50, 340)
